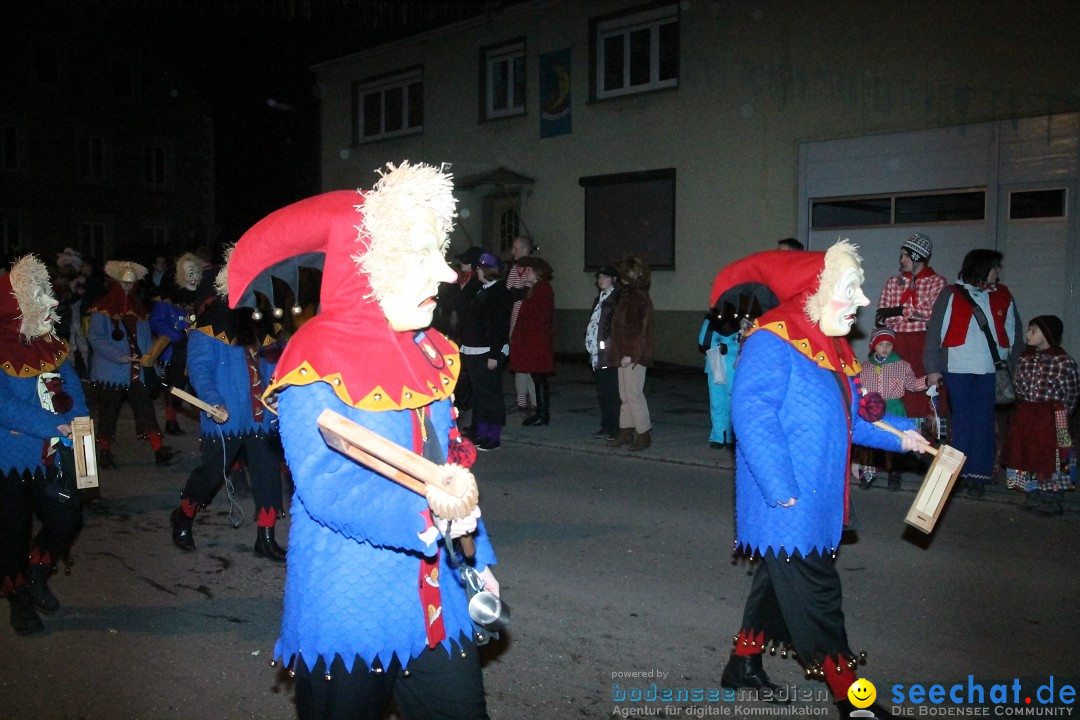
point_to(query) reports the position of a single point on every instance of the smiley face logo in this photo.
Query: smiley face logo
(862, 693)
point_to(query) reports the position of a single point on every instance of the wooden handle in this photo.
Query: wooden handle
(900, 433)
(375, 445)
(205, 406)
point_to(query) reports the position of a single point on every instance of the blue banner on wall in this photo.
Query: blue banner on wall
(555, 111)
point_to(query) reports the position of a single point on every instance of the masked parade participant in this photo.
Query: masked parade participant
(40, 396)
(374, 605)
(120, 338)
(795, 410)
(231, 357)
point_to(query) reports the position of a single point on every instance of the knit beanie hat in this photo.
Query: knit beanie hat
(919, 247)
(1051, 327)
(881, 334)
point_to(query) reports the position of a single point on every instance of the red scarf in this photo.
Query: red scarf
(908, 298)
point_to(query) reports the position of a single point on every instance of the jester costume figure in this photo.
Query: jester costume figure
(373, 603)
(120, 337)
(40, 395)
(230, 359)
(795, 411)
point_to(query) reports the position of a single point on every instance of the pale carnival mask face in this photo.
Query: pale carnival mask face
(40, 318)
(192, 275)
(846, 297)
(410, 304)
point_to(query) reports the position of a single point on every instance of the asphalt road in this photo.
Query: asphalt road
(613, 565)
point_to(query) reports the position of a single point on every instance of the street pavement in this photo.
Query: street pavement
(617, 564)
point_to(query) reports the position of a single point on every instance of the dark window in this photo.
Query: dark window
(389, 106)
(635, 51)
(154, 165)
(942, 207)
(91, 158)
(630, 213)
(503, 68)
(850, 212)
(1030, 204)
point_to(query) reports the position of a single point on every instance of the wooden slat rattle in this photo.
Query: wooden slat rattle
(940, 478)
(450, 489)
(202, 405)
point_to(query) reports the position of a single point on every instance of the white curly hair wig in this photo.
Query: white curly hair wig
(389, 210)
(830, 276)
(26, 274)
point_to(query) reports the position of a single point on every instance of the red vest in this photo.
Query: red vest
(1000, 299)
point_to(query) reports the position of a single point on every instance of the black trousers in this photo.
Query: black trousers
(111, 397)
(218, 454)
(487, 392)
(23, 495)
(607, 394)
(797, 600)
(434, 687)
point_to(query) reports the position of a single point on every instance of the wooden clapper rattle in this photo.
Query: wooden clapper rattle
(936, 486)
(450, 489)
(202, 405)
(84, 446)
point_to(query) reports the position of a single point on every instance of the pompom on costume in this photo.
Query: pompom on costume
(795, 412)
(370, 591)
(39, 391)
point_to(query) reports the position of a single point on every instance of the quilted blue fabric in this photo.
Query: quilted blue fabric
(21, 412)
(110, 365)
(219, 373)
(352, 587)
(793, 443)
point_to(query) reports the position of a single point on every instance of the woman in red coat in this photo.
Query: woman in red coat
(531, 347)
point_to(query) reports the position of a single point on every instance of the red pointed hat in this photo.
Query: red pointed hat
(349, 344)
(789, 275)
(792, 277)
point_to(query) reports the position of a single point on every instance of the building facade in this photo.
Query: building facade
(694, 133)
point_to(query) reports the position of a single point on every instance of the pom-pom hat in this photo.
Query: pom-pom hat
(881, 335)
(919, 247)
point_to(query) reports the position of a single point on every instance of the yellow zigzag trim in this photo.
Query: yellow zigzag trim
(377, 398)
(779, 329)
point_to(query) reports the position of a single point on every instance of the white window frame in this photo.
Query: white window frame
(506, 55)
(623, 26)
(381, 86)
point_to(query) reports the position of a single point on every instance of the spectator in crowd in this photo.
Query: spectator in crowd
(789, 243)
(973, 327)
(632, 344)
(532, 348)
(604, 365)
(522, 247)
(1039, 455)
(904, 308)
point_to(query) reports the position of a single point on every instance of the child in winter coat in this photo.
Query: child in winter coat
(1039, 456)
(887, 374)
